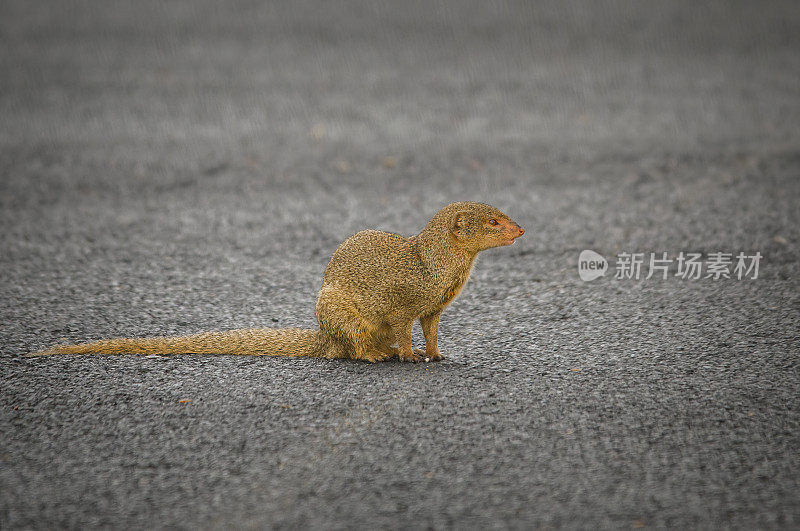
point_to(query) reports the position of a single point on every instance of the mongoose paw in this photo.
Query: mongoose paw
(375, 356)
(416, 356)
(426, 358)
(419, 356)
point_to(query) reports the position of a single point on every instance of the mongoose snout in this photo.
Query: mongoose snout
(514, 230)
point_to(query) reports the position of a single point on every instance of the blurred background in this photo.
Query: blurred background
(170, 167)
(367, 101)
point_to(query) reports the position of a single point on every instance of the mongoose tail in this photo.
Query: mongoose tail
(246, 342)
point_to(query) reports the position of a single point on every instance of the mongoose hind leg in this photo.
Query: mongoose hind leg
(347, 333)
(386, 340)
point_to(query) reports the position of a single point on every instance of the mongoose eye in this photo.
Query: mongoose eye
(492, 222)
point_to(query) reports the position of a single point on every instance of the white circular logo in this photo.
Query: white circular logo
(591, 265)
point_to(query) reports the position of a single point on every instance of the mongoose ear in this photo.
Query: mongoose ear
(460, 221)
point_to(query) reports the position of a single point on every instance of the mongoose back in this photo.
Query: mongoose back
(374, 288)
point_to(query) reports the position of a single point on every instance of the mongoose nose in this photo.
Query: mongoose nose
(521, 230)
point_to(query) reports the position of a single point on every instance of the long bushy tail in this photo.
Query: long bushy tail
(246, 342)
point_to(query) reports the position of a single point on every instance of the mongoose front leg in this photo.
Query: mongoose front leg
(430, 328)
(405, 351)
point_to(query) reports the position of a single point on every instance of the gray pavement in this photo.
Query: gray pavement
(167, 168)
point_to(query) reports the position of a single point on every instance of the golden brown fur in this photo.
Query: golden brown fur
(374, 288)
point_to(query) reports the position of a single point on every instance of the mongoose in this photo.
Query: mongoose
(374, 288)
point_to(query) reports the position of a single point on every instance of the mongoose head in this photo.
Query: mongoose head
(477, 227)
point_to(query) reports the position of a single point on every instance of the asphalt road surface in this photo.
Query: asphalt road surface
(167, 168)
